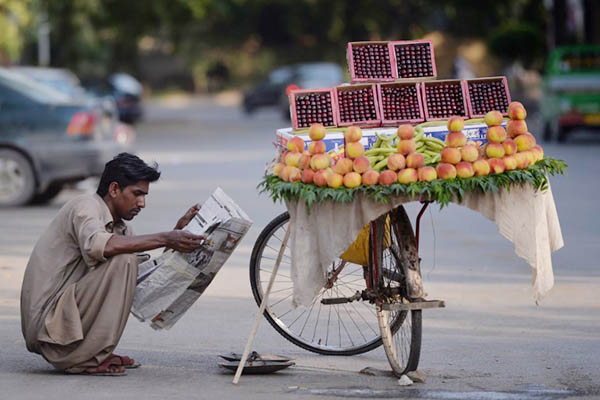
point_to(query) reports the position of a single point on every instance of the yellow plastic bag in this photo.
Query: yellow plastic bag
(358, 252)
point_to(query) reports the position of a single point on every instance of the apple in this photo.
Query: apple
(522, 160)
(493, 118)
(496, 134)
(426, 174)
(464, 169)
(445, 171)
(352, 179)
(354, 149)
(343, 166)
(308, 175)
(469, 153)
(538, 151)
(415, 160)
(304, 161)
(450, 155)
(292, 158)
(510, 162)
(295, 144)
(494, 150)
(371, 177)
(387, 177)
(317, 131)
(396, 161)
(319, 161)
(516, 111)
(509, 147)
(496, 165)
(406, 131)
(320, 178)
(408, 175)
(277, 168)
(317, 147)
(353, 134)
(524, 142)
(406, 146)
(516, 127)
(334, 180)
(456, 139)
(456, 124)
(481, 167)
(361, 164)
(295, 174)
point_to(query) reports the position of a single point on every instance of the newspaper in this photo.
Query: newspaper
(169, 284)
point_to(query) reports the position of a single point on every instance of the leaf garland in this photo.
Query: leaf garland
(438, 190)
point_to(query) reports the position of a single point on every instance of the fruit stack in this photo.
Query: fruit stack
(459, 155)
(313, 106)
(487, 94)
(444, 99)
(357, 105)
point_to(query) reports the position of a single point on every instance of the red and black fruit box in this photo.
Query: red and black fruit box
(487, 94)
(309, 106)
(357, 105)
(369, 62)
(400, 102)
(413, 59)
(444, 99)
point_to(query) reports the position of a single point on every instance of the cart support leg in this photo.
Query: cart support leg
(261, 310)
(419, 223)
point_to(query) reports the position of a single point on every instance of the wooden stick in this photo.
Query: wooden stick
(261, 310)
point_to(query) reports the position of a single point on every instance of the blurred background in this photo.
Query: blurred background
(76, 76)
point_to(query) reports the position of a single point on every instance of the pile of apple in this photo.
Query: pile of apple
(506, 150)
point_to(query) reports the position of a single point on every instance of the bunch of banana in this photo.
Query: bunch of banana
(381, 150)
(430, 147)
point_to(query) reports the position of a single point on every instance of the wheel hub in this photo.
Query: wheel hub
(12, 179)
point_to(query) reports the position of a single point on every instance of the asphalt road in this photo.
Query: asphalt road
(490, 342)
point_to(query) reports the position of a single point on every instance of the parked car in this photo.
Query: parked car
(47, 140)
(272, 90)
(125, 90)
(571, 91)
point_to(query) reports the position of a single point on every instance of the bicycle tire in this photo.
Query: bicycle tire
(283, 327)
(402, 344)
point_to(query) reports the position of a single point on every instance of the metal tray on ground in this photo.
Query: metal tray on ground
(257, 367)
(254, 356)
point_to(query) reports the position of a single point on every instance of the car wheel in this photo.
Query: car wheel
(17, 181)
(51, 192)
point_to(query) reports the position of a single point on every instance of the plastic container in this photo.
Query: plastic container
(309, 106)
(357, 105)
(487, 94)
(413, 59)
(400, 103)
(362, 69)
(444, 99)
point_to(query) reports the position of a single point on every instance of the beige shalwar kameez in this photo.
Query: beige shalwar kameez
(74, 301)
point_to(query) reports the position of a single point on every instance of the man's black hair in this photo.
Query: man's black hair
(126, 169)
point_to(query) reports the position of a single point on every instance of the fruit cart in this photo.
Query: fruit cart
(339, 272)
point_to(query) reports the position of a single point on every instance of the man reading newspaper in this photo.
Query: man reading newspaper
(79, 283)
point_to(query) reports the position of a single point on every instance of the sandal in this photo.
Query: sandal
(107, 368)
(125, 361)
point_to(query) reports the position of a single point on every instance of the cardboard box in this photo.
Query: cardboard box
(475, 112)
(427, 100)
(352, 67)
(396, 55)
(338, 91)
(388, 120)
(296, 95)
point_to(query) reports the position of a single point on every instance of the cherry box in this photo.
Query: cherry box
(308, 106)
(413, 59)
(444, 99)
(487, 94)
(400, 102)
(369, 62)
(357, 105)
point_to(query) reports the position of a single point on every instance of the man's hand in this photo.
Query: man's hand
(183, 241)
(187, 217)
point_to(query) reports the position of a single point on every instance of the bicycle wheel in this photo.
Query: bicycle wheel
(338, 329)
(400, 330)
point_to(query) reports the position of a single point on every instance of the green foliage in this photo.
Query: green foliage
(440, 191)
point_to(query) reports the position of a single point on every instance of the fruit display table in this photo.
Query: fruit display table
(323, 227)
